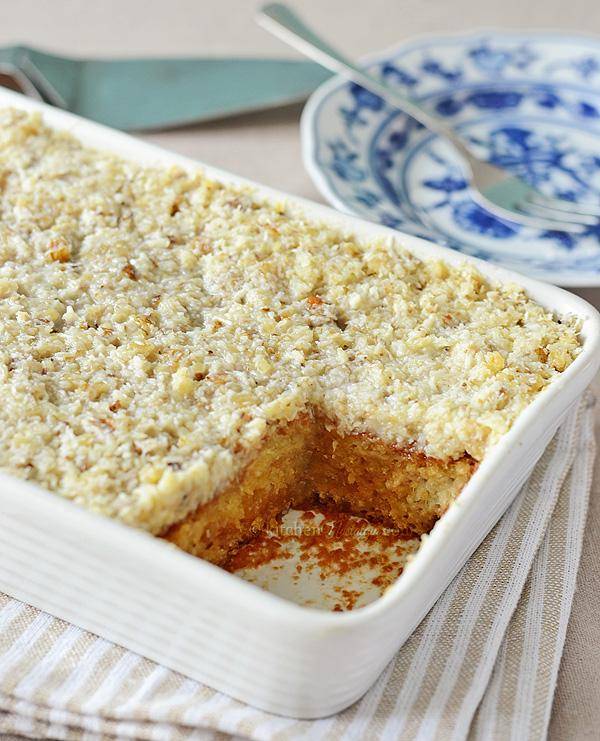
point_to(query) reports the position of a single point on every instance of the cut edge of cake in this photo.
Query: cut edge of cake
(308, 460)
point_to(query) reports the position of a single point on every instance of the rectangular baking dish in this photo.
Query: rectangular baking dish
(195, 618)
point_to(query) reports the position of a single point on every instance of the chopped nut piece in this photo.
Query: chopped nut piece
(130, 271)
(182, 384)
(542, 354)
(59, 250)
(495, 362)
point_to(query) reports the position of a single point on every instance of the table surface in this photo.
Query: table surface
(211, 27)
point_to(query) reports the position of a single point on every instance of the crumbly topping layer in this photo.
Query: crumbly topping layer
(154, 322)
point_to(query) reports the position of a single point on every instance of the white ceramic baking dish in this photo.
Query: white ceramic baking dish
(189, 615)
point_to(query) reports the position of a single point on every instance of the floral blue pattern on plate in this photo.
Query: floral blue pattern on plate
(528, 102)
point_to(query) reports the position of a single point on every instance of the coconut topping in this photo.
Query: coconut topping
(154, 322)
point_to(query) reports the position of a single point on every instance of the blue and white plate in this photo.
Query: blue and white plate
(528, 102)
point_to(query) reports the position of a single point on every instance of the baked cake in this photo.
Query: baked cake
(185, 357)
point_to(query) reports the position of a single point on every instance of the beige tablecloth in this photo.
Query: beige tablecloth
(266, 147)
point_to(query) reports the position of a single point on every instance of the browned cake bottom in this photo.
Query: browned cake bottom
(307, 460)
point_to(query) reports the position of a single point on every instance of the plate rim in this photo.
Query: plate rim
(309, 139)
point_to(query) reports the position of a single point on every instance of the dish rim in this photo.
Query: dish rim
(554, 298)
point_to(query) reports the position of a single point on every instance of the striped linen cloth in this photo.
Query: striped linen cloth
(482, 665)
